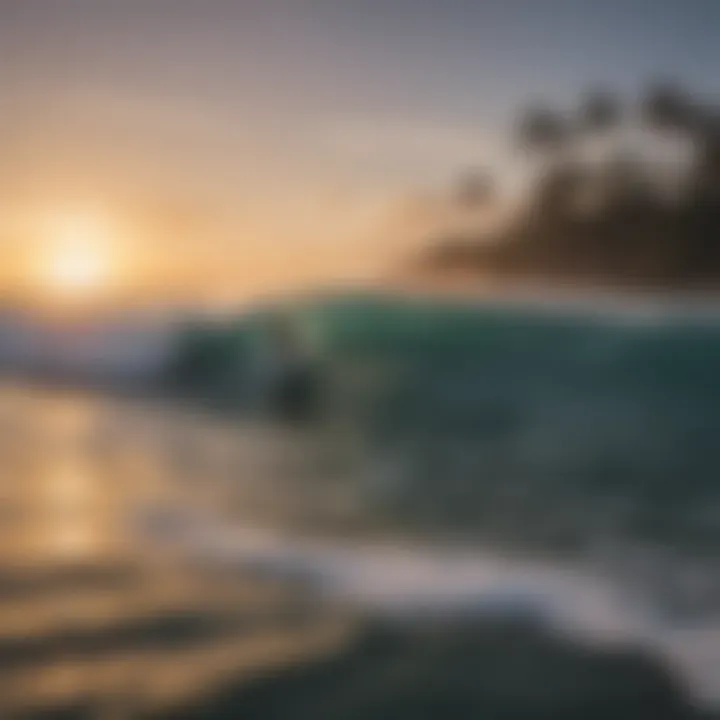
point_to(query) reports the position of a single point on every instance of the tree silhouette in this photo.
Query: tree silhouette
(668, 108)
(599, 112)
(543, 131)
(633, 232)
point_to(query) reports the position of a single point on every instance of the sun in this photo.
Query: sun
(76, 257)
(76, 270)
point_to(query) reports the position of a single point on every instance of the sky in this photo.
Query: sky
(224, 148)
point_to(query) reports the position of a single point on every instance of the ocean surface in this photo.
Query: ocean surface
(503, 463)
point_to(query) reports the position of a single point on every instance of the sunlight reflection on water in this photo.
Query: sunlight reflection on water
(89, 470)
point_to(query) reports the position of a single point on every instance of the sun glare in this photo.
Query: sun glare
(76, 257)
(76, 269)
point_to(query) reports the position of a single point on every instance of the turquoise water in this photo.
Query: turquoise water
(545, 422)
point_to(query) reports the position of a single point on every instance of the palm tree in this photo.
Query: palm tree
(599, 112)
(543, 131)
(668, 108)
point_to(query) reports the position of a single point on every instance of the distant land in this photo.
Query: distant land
(626, 217)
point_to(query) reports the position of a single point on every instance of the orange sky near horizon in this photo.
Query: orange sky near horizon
(237, 147)
(79, 257)
(228, 149)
